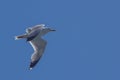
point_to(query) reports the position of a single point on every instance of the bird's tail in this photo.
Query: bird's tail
(20, 36)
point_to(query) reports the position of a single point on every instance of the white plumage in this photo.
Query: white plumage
(34, 36)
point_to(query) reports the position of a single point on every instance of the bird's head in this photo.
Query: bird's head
(45, 30)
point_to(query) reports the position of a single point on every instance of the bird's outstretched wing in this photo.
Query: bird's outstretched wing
(21, 36)
(29, 36)
(38, 45)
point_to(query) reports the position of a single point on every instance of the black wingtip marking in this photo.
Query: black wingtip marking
(32, 64)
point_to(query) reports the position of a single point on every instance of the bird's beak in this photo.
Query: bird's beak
(52, 30)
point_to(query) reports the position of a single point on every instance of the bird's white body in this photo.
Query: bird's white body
(34, 36)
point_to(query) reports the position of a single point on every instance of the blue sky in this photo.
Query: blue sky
(85, 46)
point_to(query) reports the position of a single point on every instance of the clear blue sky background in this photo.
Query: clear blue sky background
(86, 45)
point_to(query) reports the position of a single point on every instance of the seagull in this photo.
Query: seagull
(34, 35)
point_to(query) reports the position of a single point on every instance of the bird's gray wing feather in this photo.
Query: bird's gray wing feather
(32, 35)
(21, 36)
(38, 45)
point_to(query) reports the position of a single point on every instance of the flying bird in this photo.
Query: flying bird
(34, 35)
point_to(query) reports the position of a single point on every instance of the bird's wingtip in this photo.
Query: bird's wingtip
(16, 38)
(30, 68)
